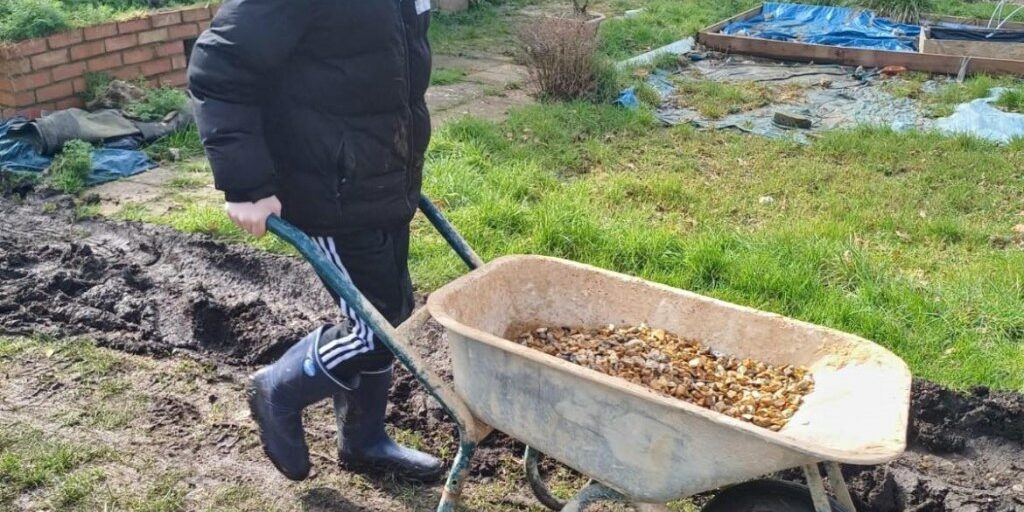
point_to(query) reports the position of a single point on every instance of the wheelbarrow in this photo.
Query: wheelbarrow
(636, 446)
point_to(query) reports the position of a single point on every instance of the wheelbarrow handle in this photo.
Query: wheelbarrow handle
(396, 340)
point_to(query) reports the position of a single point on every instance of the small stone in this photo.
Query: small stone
(766, 200)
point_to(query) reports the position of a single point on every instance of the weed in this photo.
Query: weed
(447, 76)
(76, 488)
(158, 103)
(71, 168)
(903, 11)
(187, 181)
(1012, 100)
(183, 144)
(95, 85)
(944, 100)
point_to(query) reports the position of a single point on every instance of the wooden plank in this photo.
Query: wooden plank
(745, 15)
(994, 50)
(804, 52)
(1010, 25)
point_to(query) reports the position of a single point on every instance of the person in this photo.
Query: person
(314, 110)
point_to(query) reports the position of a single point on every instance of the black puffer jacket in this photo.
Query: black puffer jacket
(320, 102)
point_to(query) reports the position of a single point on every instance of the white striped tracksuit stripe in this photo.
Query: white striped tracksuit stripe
(360, 340)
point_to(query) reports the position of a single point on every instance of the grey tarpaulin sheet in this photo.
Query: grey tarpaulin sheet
(833, 98)
(981, 119)
(49, 133)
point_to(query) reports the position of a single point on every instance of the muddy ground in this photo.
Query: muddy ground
(166, 296)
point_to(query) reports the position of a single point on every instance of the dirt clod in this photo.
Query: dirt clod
(749, 390)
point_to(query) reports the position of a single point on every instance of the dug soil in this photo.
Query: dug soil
(152, 291)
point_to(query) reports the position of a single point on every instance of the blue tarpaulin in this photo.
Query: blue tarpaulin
(832, 26)
(108, 164)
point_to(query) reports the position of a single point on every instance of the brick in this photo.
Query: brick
(213, 9)
(197, 14)
(171, 48)
(127, 73)
(86, 50)
(204, 26)
(6, 84)
(50, 59)
(66, 71)
(130, 27)
(156, 67)
(100, 31)
(183, 31)
(174, 78)
(16, 66)
(114, 44)
(6, 100)
(31, 81)
(137, 55)
(65, 39)
(72, 102)
(29, 47)
(179, 62)
(78, 85)
(56, 91)
(153, 36)
(105, 62)
(165, 19)
(24, 98)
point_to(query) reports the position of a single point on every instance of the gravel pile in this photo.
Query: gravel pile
(752, 391)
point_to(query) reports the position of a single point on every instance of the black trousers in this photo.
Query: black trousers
(377, 261)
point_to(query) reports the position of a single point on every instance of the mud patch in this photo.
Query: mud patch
(147, 289)
(965, 454)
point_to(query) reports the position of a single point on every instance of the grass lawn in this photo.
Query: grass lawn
(889, 236)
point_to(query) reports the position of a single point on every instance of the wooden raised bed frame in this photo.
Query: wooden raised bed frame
(806, 52)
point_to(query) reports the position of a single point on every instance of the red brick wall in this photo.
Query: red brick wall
(48, 73)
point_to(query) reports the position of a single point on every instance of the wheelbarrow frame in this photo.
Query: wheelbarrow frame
(471, 430)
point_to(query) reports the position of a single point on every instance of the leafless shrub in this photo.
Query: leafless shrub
(561, 56)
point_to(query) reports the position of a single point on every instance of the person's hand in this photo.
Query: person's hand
(252, 217)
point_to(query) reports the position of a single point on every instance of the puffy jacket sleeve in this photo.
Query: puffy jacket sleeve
(247, 41)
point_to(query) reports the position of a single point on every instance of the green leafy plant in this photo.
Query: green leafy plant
(26, 19)
(95, 84)
(158, 103)
(71, 168)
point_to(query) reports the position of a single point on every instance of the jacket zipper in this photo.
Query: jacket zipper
(410, 150)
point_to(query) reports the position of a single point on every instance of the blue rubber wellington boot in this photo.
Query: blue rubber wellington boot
(277, 395)
(364, 446)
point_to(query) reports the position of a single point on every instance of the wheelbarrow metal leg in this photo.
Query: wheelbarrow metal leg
(817, 487)
(452, 493)
(838, 483)
(593, 493)
(540, 490)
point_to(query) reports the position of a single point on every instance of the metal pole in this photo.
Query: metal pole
(838, 483)
(592, 493)
(454, 239)
(817, 487)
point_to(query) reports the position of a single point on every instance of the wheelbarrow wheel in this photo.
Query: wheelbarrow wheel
(766, 496)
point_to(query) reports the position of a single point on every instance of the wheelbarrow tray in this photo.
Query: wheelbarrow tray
(645, 445)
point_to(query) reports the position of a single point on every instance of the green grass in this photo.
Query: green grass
(71, 168)
(198, 217)
(30, 459)
(662, 22)
(158, 103)
(23, 19)
(488, 26)
(1012, 100)
(714, 100)
(882, 234)
(447, 76)
(185, 143)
